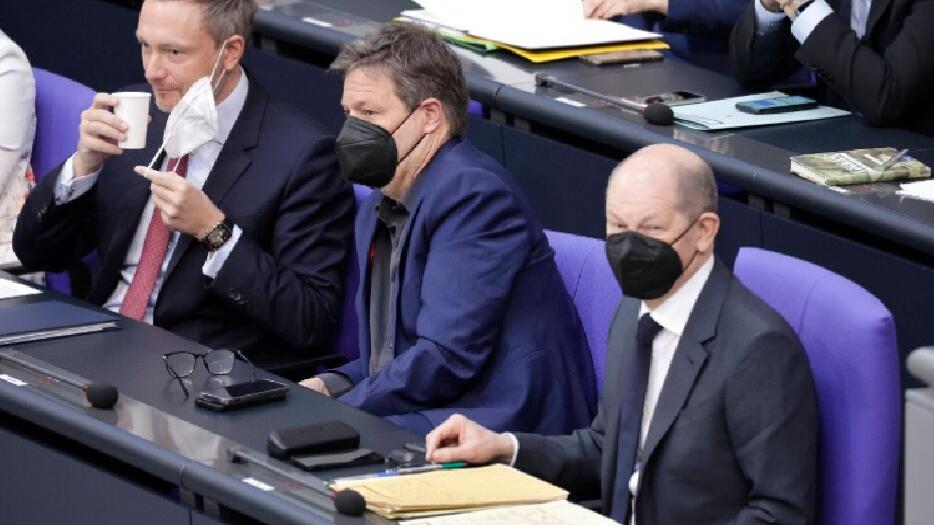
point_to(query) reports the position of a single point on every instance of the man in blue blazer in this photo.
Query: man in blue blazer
(242, 248)
(461, 306)
(709, 412)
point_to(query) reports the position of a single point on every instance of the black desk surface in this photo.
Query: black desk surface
(182, 444)
(755, 160)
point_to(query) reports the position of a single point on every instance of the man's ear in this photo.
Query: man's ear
(434, 114)
(234, 48)
(708, 224)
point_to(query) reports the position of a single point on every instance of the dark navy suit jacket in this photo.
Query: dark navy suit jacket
(484, 325)
(276, 177)
(733, 439)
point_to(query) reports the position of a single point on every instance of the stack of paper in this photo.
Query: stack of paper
(722, 114)
(552, 513)
(919, 190)
(10, 289)
(450, 491)
(538, 30)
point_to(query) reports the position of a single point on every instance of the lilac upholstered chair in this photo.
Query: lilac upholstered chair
(590, 283)
(348, 338)
(59, 103)
(849, 337)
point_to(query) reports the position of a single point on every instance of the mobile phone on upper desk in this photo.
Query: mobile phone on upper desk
(769, 106)
(242, 394)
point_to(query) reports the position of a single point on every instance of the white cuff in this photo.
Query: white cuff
(215, 260)
(803, 25)
(68, 187)
(515, 449)
(765, 19)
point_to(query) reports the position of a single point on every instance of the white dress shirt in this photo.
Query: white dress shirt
(673, 316)
(17, 131)
(803, 25)
(200, 163)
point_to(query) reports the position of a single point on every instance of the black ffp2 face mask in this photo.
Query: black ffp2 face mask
(367, 153)
(645, 267)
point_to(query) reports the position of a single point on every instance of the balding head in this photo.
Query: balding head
(675, 168)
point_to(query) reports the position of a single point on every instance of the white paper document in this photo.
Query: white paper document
(722, 114)
(923, 189)
(529, 24)
(552, 513)
(10, 289)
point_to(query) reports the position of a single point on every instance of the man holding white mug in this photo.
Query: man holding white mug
(237, 239)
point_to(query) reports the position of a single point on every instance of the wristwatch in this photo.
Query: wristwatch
(218, 235)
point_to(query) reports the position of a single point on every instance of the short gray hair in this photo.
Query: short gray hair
(226, 18)
(419, 64)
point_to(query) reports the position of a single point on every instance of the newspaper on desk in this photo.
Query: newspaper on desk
(722, 114)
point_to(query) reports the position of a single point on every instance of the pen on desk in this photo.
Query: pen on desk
(401, 471)
(895, 158)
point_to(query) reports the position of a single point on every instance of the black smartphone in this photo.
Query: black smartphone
(242, 394)
(353, 458)
(767, 106)
(669, 98)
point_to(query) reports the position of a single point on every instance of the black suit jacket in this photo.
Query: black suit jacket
(276, 177)
(886, 75)
(734, 435)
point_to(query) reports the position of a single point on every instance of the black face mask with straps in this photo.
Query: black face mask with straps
(367, 153)
(645, 267)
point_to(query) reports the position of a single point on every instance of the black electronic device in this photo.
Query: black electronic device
(242, 394)
(351, 458)
(317, 438)
(768, 106)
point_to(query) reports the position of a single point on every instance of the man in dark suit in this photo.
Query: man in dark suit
(875, 56)
(239, 244)
(713, 417)
(461, 306)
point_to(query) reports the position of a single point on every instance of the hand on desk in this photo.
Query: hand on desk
(609, 8)
(315, 384)
(184, 208)
(460, 439)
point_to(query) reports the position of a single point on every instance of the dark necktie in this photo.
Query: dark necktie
(632, 403)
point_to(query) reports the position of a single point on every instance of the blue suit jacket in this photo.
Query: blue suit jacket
(484, 325)
(276, 177)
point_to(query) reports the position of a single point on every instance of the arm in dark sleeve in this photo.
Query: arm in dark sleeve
(771, 415)
(761, 58)
(572, 462)
(885, 86)
(704, 17)
(50, 236)
(294, 285)
(477, 248)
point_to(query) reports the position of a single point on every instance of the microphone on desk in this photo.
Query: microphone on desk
(655, 113)
(349, 503)
(99, 395)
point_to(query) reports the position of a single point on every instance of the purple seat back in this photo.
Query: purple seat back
(849, 337)
(348, 338)
(589, 281)
(59, 103)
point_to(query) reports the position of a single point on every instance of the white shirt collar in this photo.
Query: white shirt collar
(673, 314)
(230, 108)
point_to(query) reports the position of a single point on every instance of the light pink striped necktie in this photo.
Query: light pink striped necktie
(150, 260)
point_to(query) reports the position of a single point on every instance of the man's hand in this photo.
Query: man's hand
(184, 208)
(99, 132)
(605, 9)
(791, 8)
(315, 384)
(460, 439)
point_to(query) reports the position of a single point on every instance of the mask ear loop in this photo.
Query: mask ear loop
(214, 87)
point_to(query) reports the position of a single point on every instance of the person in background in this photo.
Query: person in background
(873, 56)
(461, 306)
(17, 131)
(697, 30)
(709, 413)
